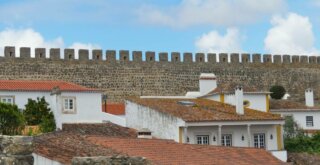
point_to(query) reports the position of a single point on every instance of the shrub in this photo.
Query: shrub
(11, 119)
(277, 92)
(48, 123)
(37, 112)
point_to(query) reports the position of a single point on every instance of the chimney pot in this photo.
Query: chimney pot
(239, 100)
(309, 97)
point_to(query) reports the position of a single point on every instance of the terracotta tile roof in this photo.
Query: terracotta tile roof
(79, 140)
(311, 131)
(30, 85)
(169, 152)
(63, 145)
(114, 108)
(204, 110)
(288, 105)
(230, 88)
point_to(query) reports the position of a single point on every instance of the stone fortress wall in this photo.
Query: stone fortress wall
(130, 75)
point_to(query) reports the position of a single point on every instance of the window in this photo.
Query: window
(226, 140)
(309, 121)
(203, 139)
(259, 140)
(7, 99)
(69, 105)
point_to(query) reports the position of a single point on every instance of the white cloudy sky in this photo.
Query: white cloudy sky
(264, 26)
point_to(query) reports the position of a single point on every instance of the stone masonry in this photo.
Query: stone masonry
(121, 77)
(16, 150)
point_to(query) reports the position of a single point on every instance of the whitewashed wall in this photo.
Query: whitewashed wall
(300, 118)
(88, 106)
(40, 160)
(257, 101)
(162, 125)
(236, 132)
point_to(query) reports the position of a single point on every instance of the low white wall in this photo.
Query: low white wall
(40, 160)
(281, 155)
(162, 125)
(120, 120)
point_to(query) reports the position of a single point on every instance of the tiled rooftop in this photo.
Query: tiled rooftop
(63, 145)
(110, 140)
(114, 108)
(290, 105)
(169, 152)
(203, 110)
(30, 85)
(230, 88)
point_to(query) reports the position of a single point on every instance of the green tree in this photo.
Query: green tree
(37, 112)
(11, 119)
(291, 128)
(48, 123)
(277, 92)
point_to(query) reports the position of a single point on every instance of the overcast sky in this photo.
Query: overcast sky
(253, 26)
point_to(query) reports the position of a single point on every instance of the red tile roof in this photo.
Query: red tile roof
(63, 145)
(80, 140)
(203, 110)
(230, 88)
(30, 85)
(288, 105)
(114, 108)
(169, 152)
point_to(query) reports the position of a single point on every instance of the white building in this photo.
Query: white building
(207, 122)
(307, 116)
(225, 93)
(69, 102)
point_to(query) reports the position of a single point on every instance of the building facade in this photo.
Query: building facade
(70, 103)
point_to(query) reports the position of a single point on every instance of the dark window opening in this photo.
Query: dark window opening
(177, 58)
(200, 59)
(10, 54)
(224, 59)
(98, 57)
(125, 58)
(70, 56)
(40, 55)
(151, 58)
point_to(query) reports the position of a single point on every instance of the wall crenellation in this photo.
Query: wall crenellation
(150, 56)
(122, 73)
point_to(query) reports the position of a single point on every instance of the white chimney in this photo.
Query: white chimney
(239, 100)
(207, 83)
(309, 97)
(144, 133)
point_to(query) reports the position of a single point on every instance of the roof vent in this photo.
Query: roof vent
(186, 103)
(144, 133)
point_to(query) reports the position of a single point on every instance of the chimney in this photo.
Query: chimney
(239, 100)
(207, 83)
(309, 97)
(144, 133)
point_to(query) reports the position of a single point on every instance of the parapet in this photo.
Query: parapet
(200, 57)
(151, 56)
(234, 57)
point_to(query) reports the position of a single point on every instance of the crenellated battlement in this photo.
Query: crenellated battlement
(150, 56)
